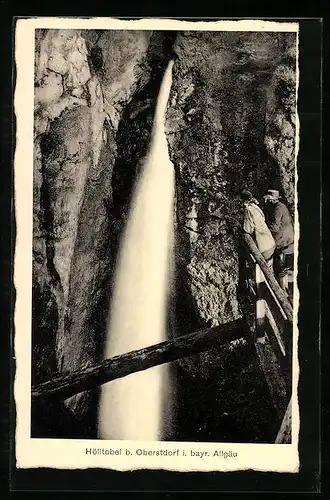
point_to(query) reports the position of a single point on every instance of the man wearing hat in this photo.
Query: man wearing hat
(280, 223)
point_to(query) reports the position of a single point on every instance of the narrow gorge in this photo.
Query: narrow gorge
(230, 124)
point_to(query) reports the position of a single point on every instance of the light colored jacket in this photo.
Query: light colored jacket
(255, 224)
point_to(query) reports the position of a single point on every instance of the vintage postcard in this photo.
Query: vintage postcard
(157, 236)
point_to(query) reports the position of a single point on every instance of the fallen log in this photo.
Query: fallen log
(120, 366)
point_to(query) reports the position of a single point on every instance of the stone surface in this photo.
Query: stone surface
(74, 155)
(216, 126)
(281, 124)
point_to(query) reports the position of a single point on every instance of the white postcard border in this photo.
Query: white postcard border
(125, 455)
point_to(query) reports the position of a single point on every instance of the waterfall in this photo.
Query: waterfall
(133, 407)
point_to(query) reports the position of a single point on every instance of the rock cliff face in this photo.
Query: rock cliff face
(230, 124)
(75, 151)
(281, 119)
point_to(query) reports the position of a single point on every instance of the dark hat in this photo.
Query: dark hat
(246, 194)
(272, 194)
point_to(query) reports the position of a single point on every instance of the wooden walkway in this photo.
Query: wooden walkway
(270, 330)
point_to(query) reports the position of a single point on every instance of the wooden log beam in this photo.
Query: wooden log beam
(120, 366)
(278, 291)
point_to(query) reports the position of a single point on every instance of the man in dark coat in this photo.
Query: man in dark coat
(280, 224)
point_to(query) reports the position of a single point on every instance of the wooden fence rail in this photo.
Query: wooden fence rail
(272, 330)
(271, 303)
(120, 366)
(275, 287)
(284, 434)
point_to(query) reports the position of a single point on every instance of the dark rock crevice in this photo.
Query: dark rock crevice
(47, 225)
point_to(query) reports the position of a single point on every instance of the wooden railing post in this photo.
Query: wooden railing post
(288, 357)
(260, 304)
(272, 335)
(280, 294)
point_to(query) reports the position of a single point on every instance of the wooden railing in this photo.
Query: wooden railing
(271, 331)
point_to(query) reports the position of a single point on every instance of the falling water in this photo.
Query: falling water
(133, 407)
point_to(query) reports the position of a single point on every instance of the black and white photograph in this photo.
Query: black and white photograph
(162, 242)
